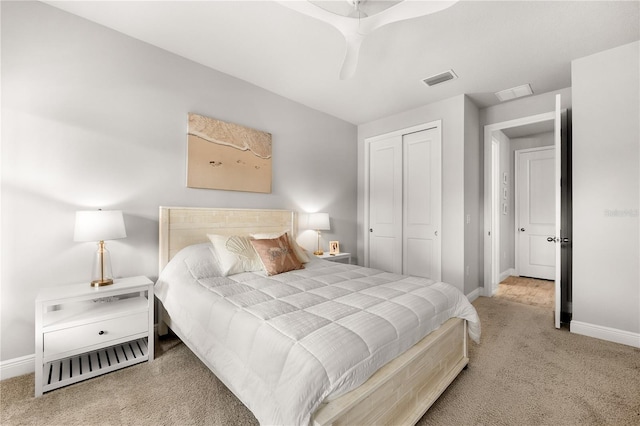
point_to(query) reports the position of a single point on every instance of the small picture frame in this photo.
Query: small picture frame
(504, 178)
(334, 247)
(504, 208)
(504, 193)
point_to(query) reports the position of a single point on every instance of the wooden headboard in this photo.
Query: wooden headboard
(184, 226)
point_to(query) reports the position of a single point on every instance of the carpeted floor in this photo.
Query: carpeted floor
(524, 372)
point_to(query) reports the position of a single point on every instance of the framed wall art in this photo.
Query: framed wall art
(227, 156)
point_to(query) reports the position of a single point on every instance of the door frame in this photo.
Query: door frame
(516, 198)
(367, 143)
(491, 233)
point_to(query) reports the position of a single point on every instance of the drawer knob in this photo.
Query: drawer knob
(101, 332)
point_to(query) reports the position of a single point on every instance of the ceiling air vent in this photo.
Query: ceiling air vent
(440, 78)
(514, 92)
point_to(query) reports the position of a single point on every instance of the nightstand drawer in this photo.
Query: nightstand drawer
(101, 332)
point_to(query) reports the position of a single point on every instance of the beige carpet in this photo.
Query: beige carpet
(524, 372)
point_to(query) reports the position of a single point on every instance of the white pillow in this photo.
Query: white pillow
(196, 261)
(235, 254)
(200, 260)
(302, 255)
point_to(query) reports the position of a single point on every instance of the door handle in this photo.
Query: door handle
(552, 239)
(370, 229)
(565, 240)
(521, 229)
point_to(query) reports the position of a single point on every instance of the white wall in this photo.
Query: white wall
(452, 113)
(92, 118)
(606, 192)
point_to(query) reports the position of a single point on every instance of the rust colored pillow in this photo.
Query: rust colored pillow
(276, 255)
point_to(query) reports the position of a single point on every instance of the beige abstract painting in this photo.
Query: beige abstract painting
(227, 156)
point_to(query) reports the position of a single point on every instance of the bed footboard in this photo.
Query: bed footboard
(404, 389)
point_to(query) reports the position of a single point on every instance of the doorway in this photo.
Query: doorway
(500, 215)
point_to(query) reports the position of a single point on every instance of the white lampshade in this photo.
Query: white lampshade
(319, 221)
(99, 225)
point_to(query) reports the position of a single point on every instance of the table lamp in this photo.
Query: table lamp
(100, 225)
(319, 222)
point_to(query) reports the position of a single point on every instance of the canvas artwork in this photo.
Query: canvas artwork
(227, 156)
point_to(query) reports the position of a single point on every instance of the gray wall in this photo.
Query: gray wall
(606, 186)
(95, 119)
(473, 203)
(454, 113)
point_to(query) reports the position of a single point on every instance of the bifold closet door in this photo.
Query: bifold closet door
(422, 204)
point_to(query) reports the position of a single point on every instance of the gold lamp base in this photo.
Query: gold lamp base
(100, 283)
(102, 275)
(318, 252)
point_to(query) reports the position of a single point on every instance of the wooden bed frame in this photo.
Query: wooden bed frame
(399, 393)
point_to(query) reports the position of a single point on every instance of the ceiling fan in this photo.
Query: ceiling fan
(355, 19)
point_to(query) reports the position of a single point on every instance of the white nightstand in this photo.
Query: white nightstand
(340, 257)
(84, 331)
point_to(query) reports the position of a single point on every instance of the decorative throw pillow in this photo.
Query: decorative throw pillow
(276, 255)
(235, 254)
(302, 256)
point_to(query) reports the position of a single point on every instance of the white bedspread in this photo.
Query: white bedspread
(285, 343)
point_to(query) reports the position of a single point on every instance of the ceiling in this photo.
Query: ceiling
(491, 46)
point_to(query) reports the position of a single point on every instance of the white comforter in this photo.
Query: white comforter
(285, 343)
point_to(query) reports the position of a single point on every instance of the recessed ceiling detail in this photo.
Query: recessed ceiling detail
(440, 78)
(355, 30)
(514, 92)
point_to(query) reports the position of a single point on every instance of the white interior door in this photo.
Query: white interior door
(558, 206)
(422, 204)
(385, 204)
(535, 177)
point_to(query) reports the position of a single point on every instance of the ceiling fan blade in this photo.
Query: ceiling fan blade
(350, 62)
(354, 30)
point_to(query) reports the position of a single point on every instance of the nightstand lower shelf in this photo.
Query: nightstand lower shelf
(84, 366)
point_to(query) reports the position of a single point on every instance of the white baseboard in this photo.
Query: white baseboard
(17, 366)
(475, 294)
(605, 333)
(506, 274)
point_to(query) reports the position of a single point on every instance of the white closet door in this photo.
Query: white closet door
(422, 204)
(385, 204)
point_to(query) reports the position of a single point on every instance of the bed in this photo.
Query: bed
(288, 345)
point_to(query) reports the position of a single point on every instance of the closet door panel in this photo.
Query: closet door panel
(419, 249)
(385, 204)
(421, 205)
